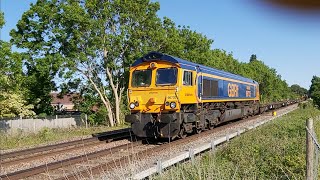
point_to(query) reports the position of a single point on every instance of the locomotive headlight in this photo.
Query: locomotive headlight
(153, 65)
(173, 105)
(132, 105)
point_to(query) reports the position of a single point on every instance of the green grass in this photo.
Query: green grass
(274, 151)
(49, 135)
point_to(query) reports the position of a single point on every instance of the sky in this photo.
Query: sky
(283, 39)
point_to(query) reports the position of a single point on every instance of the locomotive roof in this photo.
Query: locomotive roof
(156, 56)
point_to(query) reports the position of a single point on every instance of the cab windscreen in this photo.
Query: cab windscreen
(141, 78)
(166, 76)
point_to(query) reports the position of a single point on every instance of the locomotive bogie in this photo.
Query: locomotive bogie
(153, 125)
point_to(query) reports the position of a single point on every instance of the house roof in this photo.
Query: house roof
(66, 99)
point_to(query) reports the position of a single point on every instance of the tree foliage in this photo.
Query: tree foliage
(96, 40)
(315, 90)
(91, 44)
(41, 58)
(12, 92)
(2, 21)
(253, 57)
(272, 87)
(13, 104)
(299, 90)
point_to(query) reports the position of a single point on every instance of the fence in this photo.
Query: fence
(18, 125)
(312, 151)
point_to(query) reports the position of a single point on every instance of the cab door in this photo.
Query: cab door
(188, 90)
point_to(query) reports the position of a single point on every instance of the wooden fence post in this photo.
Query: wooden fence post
(86, 120)
(310, 149)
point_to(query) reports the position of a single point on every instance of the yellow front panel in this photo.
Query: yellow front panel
(152, 98)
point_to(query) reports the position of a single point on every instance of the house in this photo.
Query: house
(63, 103)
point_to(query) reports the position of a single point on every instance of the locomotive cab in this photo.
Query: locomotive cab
(152, 90)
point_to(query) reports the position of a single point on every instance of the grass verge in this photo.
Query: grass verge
(274, 151)
(47, 135)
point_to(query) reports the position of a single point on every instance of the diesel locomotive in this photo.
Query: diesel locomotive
(170, 97)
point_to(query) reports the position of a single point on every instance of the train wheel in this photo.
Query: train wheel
(182, 133)
(209, 126)
(197, 131)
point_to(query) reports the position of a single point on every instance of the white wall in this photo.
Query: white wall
(35, 125)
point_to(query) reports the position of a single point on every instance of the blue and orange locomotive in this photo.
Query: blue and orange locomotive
(170, 97)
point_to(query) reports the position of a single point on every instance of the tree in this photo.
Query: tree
(41, 59)
(96, 40)
(2, 21)
(222, 60)
(93, 43)
(253, 57)
(182, 42)
(315, 90)
(13, 104)
(271, 86)
(300, 91)
(12, 92)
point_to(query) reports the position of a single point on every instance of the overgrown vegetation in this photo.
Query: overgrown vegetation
(12, 93)
(90, 46)
(315, 90)
(47, 135)
(274, 151)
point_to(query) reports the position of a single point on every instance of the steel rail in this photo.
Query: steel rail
(45, 148)
(67, 162)
(46, 154)
(28, 155)
(111, 135)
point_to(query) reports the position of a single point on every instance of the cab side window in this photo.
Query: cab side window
(187, 78)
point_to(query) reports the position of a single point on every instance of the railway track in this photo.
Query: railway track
(36, 153)
(28, 155)
(93, 164)
(153, 151)
(122, 161)
(47, 168)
